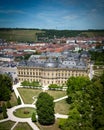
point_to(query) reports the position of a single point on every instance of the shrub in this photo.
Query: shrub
(4, 111)
(19, 100)
(8, 104)
(33, 118)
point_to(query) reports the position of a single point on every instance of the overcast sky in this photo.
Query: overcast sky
(52, 14)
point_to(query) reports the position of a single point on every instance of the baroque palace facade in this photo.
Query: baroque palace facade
(54, 68)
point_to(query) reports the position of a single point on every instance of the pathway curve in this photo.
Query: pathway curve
(59, 99)
(16, 91)
(35, 99)
(28, 120)
(14, 125)
(12, 117)
(4, 120)
(57, 115)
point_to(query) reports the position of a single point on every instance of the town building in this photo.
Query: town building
(7, 58)
(54, 68)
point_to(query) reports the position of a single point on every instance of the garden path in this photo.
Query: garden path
(28, 120)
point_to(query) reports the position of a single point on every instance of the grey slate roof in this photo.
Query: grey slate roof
(65, 60)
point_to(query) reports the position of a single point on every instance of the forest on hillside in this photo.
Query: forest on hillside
(35, 35)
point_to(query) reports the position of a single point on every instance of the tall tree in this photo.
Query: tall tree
(98, 103)
(5, 87)
(86, 100)
(45, 109)
(76, 87)
(79, 114)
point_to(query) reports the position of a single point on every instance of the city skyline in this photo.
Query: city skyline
(51, 14)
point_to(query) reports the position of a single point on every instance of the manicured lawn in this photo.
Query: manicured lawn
(1, 116)
(98, 72)
(25, 112)
(7, 125)
(62, 107)
(57, 94)
(51, 127)
(22, 126)
(13, 100)
(27, 94)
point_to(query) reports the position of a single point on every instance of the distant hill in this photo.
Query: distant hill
(33, 35)
(21, 35)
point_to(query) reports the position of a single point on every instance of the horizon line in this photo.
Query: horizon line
(50, 29)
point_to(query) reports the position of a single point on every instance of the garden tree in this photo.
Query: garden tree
(55, 86)
(5, 93)
(33, 83)
(18, 101)
(4, 107)
(8, 82)
(25, 83)
(102, 79)
(76, 87)
(8, 104)
(79, 104)
(86, 104)
(33, 118)
(5, 87)
(98, 103)
(98, 115)
(45, 109)
(4, 111)
(5, 79)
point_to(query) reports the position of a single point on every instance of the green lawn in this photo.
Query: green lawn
(50, 127)
(13, 100)
(1, 116)
(25, 112)
(57, 94)
(22, 126)
(98, 71)
(62, 107)
(7, 125)
(27, 94)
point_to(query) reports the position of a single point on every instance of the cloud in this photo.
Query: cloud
(94, 10)
(70, 17)
(12, 11)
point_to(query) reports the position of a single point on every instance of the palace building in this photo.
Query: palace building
(54, 68)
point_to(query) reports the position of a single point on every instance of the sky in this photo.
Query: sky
(52, 14)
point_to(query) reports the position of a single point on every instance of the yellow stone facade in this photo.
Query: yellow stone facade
(48, 76)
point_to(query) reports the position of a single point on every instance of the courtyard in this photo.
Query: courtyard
(21, 114)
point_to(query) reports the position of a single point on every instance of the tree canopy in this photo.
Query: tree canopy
(30, 84)
(45, 109)
(86, 100)
(97, 57)
(55, 87)
(5, 87)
